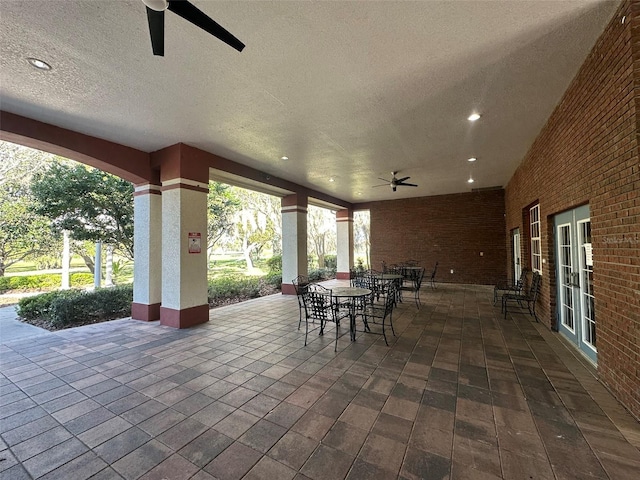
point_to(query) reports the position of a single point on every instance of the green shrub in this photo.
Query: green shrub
(43, 281)
(331, 262)
(233, 286)
(67, 307)
(275, 279)
(274, 264)
(39, 306)
(318, 274)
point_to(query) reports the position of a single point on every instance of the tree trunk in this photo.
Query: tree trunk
(367, 253)
(2, 268)
(88, 260)
(246, 249)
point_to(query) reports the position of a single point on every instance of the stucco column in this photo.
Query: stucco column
(147, 239)
(185, 185)
(294, 240)
(344, 226)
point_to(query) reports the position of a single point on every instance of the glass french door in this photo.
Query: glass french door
(517, 265)
(574, 279)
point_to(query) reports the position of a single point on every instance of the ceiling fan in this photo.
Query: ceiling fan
(188, 11)
(396, 182)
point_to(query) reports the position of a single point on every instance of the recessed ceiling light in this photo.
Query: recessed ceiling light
(471, 180)
(472, 159)
(39, 64)
(331, 179)
(473, 117)
(284, 158)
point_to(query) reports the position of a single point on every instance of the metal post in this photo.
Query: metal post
(65, 260)
(108, 275)
(97, 275)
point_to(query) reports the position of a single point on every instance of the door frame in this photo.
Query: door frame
(570, 280)
(516, 250)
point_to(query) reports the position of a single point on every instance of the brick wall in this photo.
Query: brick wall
(587, 153)
(450, 229)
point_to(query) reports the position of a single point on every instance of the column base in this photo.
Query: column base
(185, 318)
(343, 275)
(288, 289)
(144, 312)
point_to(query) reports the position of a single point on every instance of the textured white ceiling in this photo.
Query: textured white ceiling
(351, 90)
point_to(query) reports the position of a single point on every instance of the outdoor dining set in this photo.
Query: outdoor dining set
(372, 295)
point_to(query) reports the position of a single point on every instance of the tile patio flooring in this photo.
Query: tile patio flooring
(461, 394)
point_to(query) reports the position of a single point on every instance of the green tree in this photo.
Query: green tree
(222, 206)
(18, 163)
(257, 223)
(91, 204)
(23, 232)
(361, 234)
(321, 232)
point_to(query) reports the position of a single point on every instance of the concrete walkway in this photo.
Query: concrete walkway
(13, 329)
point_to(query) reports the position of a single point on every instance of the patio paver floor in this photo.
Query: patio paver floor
(460, 394)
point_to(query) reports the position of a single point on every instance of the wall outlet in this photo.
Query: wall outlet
(482, 254)
(452, 270)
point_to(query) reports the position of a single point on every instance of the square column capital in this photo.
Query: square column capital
(295, 200)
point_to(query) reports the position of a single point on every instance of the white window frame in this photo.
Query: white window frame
(536, 245)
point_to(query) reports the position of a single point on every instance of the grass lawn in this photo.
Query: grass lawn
(27, 268)
(224, 265)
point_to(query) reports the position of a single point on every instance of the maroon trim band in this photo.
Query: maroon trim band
(184, 186)
(185, 318)
(288, 289)
(144, 312)
(294, 210)
(140, 193)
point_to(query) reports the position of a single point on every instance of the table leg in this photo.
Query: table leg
(352, 320)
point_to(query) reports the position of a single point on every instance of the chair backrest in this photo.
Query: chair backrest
(390, 301)
(418, 278)
(396, 269)
(369, 281)
(534, 288)
(300, 282)
(435, 269)
(318, 302)
(520, 283)
(358, 282)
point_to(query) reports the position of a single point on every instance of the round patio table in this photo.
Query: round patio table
(388, 276)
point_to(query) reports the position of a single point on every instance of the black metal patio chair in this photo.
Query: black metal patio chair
(510, 286)
(300, 284)
(413, 285)
(321, 305)
(379, 314)
(526, 298)
(432, 280)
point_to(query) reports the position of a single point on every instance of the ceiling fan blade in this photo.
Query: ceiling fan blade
(383, 185)
(394, 188)
(407, 184)
(194, 15)
(156, 30)
(384, 180)
(400, 180)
